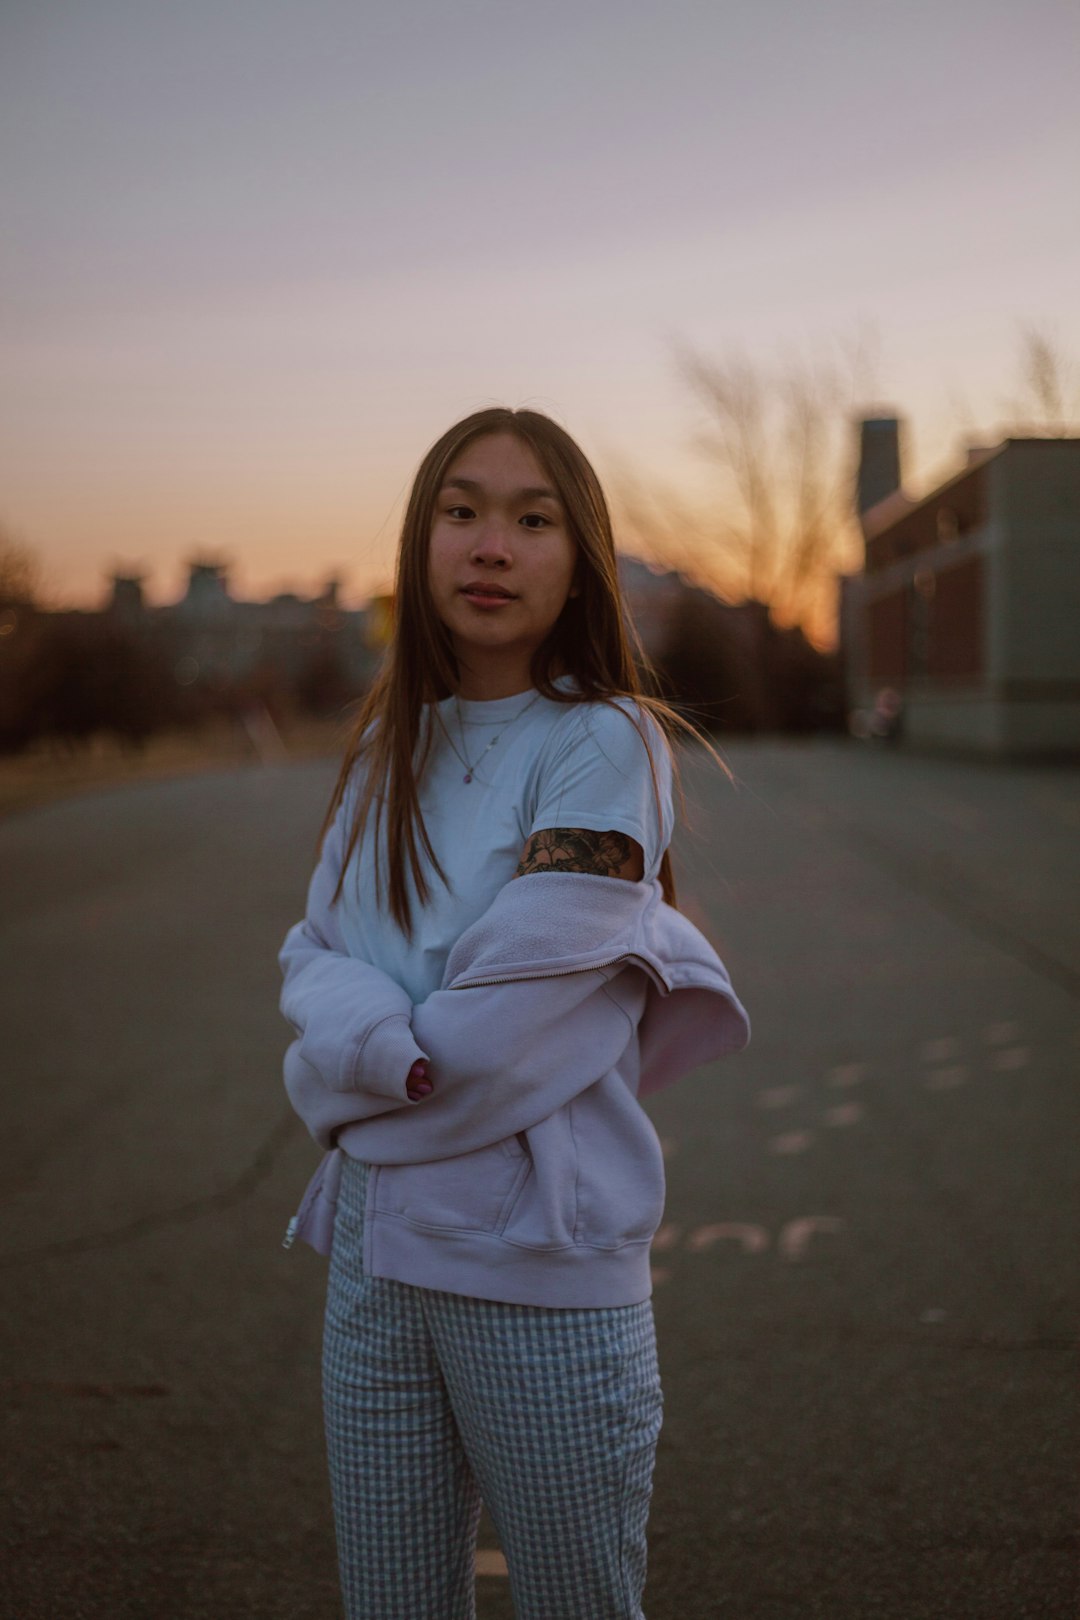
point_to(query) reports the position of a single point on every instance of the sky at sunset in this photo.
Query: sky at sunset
(256, 256)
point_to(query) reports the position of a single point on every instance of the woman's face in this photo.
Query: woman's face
(500, 526)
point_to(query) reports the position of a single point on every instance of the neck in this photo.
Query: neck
(472, 691)
(485, 685)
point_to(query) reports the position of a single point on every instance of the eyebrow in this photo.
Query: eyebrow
(534, 492)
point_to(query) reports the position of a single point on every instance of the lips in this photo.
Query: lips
(478, 589)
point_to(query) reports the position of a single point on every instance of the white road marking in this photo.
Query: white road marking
(791, 1142)
(490, 1561)
(752, 1238)
(776, 1096)
(846, 1074)
(797, 1234)
(1011, 1057)
(791, 1243)
(935, 1051)
(845, 1114)
(946, 1079)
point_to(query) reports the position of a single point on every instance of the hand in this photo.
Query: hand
(418, 1085)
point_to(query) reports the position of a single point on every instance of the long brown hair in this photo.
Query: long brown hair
(593, 639)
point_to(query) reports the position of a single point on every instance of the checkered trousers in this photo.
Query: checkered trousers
(435, 1401)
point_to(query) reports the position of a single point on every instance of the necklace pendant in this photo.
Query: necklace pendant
(467, 777)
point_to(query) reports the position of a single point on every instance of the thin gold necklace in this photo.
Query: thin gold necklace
(470, 768)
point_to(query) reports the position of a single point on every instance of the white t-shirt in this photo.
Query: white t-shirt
(557, 765)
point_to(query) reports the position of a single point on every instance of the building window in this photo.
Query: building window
(948, 524)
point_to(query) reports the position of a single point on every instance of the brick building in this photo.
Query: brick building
(968, 603)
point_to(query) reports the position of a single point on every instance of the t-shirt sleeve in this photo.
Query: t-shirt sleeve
(598, 776)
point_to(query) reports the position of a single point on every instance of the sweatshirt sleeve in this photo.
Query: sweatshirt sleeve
(540, 999)
(504, 1057)
(351, 1019)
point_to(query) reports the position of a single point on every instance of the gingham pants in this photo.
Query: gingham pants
(434, 1401)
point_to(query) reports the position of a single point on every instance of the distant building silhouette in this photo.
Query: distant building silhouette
(211, 637)
(726, 663)
(134, 667)
(968, 601)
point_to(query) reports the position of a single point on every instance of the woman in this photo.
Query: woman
(470, 1049)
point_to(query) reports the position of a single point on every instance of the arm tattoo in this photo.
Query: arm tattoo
(576, 849)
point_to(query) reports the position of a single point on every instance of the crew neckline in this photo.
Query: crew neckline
(489, 711)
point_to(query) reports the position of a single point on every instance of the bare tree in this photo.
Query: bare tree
(781, 447)
(1050, 402)
(19, 573)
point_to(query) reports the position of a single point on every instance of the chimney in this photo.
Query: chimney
(127, 596)
(879, 460)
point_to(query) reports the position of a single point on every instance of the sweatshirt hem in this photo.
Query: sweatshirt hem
(484, 1266)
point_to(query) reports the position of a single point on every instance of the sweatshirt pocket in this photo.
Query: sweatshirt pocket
(472, 1192)
(621, 1185)
(543, 1214)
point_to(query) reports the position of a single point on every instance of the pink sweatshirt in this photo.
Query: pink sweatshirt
(531, 1174)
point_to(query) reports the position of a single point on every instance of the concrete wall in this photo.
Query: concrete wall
(1026, 700)
(1037, 494)
(1037, 497)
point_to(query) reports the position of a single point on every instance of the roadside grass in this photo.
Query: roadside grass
(51, 770)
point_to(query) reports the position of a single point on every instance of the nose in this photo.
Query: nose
(491, 545)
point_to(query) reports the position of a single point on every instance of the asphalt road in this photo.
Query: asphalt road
(865, 1284)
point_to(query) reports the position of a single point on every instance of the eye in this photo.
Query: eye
(450, 510)
(546, 521)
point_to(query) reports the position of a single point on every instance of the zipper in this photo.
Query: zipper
(523, 978)
(561, 973)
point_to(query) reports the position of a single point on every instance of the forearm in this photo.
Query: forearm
(352, 1020)
(325, 1111)
(487, 1088)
